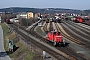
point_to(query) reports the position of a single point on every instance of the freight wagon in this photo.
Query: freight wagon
(8, 21)
(58, 19)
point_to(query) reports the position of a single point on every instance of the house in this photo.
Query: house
(30, 15)
(22, 15)
(26, 15)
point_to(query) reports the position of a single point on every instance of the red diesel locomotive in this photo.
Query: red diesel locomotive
(56, 38)
(78, 19)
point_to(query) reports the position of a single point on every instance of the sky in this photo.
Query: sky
(71, 4)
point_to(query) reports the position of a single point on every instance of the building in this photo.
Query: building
(25, 15)
(36, 16)
(30, 15)
(22, 15)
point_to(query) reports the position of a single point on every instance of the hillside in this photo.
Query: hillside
(44, 10)
(18, 9)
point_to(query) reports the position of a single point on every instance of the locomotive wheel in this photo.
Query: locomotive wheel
(63, 43)
(55, 44)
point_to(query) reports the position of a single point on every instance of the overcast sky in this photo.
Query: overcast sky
(71, 4)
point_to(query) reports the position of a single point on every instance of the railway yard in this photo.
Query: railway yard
(75, 35)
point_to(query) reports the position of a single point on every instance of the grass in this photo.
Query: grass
(29, 56)
(38, 29)
(5, 33)
(22, 51)
(5, 29)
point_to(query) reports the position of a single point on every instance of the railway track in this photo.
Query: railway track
(83, 25)
(45, 27)
(87, 22)
(78, 38)
(32, 32)
(79, 30)
(23, 33)
(69, 51)
(51, 27)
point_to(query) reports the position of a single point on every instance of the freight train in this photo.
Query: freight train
(56, 38)
(8, 21)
